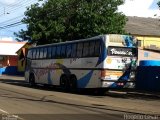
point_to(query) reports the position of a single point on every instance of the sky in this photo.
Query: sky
(12, 11)
(140, 8)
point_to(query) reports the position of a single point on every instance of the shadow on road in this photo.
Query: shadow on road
(112, 93)
(101, 109)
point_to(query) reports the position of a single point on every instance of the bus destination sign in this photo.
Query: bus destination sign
(121, 51)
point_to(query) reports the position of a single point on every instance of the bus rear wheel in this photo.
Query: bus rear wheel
(64, 82)
(31, 80)
(73, 83)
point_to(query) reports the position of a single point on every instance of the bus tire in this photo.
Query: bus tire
(32, 80)
(64, 82)
(73, 83)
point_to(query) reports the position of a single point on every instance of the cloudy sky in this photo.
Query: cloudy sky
(12, 11)
(141, 8)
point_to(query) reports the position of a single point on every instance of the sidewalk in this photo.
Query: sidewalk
(146, 93)
(11, 77)
(140, 93)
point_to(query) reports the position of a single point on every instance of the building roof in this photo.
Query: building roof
(143, 26)
(10, 47)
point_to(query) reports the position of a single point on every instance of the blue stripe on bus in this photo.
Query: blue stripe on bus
(82, 82)
(103, 55)
(124, 78)
(114, 85)
(128, 40)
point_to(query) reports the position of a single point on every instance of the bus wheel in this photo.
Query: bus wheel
(64, 82)
(31, 80)
(73, 83)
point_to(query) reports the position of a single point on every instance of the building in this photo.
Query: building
(147, 31)
(8, 56)
(22, 52)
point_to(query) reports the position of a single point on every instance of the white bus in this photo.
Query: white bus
(101, 62)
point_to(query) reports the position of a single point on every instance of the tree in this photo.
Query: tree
(158, 3)
(64, 20)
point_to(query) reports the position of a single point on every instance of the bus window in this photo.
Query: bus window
(49, 52)
(91, 48)
(86, 49)
(68, 50)
(63, 51)
(29, 55)
(97, 48)
(58, 52)
(34, 53)
(53, 52)
(37, 55)
(45, 53)
(79, 49)
(74, 49)
(41, 53)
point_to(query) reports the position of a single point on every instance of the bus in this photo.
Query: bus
(102, 62)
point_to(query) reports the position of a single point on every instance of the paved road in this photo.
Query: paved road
(19, 101)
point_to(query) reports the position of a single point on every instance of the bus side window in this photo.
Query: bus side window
(29, 55)
(34, 53)
(97, 48)
(37, 55)
(58, 52)
(63, 51)
(53, 52)
(74, 50)
(91, 48)
(86, 49)
(68, 50)
(41, 53)
(45, 53)
(79, 49)
(49, 52)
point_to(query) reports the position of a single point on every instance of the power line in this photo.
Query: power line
(13, 9)
(11, 25)
(25, 3)
(15, 21)
(18, 18)
(11, 20)
(12, 4)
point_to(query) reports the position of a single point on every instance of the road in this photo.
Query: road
(19, 101)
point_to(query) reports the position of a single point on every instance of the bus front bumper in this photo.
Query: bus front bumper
(118, 84)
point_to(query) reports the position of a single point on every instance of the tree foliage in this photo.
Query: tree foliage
(64, 20)
(158, 3)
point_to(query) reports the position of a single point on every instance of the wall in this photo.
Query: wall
(8, 61)
(13, 60)
(148, 42)
(9, 65)
(148, 55)
(3, 61)
(149, 48)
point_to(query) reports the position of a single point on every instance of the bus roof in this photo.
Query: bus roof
(73, 41)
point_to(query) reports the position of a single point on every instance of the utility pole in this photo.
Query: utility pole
(4, 11)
